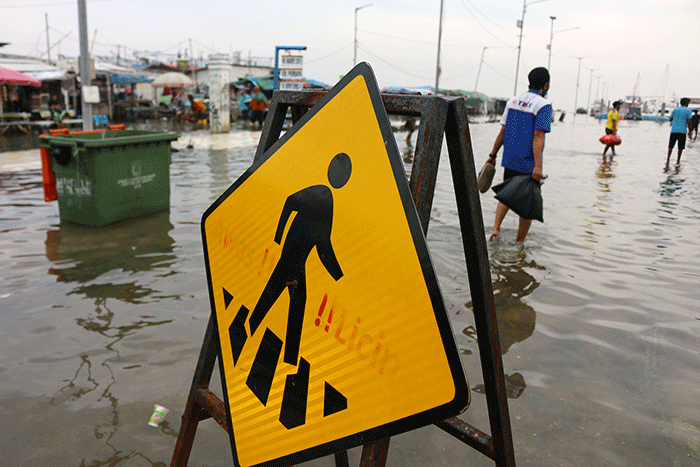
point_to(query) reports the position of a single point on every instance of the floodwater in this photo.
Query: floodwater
(598, 311)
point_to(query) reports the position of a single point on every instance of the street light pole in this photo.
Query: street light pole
(590, 85)
(354, 58)
(551, 36)
(479, 72)
(437, 71)
(520, 42)
(603, 102)
(48, 47)
(549, 47)
(577, 81)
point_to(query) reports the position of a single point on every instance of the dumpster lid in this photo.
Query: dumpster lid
(107, 138)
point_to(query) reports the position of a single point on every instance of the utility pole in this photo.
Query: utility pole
(194, 74)
(479, 72)
(354, 57)
(84, 64)
(578, 76)
(92, 44)
(437, 71)
(48, 48)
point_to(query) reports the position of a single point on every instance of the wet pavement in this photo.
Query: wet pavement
(598, 311)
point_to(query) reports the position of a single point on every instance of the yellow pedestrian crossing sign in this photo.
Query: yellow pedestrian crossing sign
(332, 327)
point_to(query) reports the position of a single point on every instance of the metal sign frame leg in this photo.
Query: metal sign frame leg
(499, 446)
(201, 402)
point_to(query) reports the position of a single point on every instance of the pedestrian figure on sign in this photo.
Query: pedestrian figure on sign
(311, 228)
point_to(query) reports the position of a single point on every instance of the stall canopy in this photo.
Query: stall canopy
(15, 78)
(263, 82)
(474, 95)
(173, 80)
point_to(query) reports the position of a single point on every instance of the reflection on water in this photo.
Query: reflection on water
(605, 171)
(511, 282)
(516, 320)
(408, 152)
(671, 189)
(87, 380)
(672, 184)
(99, 261)
(83, 254)
(218, 167)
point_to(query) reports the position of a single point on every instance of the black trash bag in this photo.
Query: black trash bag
(522, 194)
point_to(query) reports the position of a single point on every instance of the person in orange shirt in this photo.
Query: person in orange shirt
(197, 109)
(258, 106)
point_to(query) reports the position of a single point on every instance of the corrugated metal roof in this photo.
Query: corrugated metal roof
(35, 68)
(128, 79)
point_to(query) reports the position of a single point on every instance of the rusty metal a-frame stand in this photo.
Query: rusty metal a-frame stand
(439, 117)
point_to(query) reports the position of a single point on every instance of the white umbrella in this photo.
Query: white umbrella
(173, 79)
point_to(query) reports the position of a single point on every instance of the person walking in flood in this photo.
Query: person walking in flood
(258, 105)
(681, 124)
(524, 123)
(611, 126)
(311, 228)
(694, 122)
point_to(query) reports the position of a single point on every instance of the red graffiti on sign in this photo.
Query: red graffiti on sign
(369, 347)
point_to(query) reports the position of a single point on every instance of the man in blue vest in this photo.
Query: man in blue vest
(526, 119)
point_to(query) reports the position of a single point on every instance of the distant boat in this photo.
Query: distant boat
(634, 113)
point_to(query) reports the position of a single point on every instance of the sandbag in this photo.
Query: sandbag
(523, 195)
(611, 140)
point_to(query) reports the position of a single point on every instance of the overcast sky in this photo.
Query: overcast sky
(652, 43)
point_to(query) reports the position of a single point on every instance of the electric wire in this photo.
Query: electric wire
(330, 54)
(432, 43)
(368, 51)
(489, 19)
(41, 5)
(484, 27)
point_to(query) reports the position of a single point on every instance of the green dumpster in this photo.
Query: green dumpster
(108, 176)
